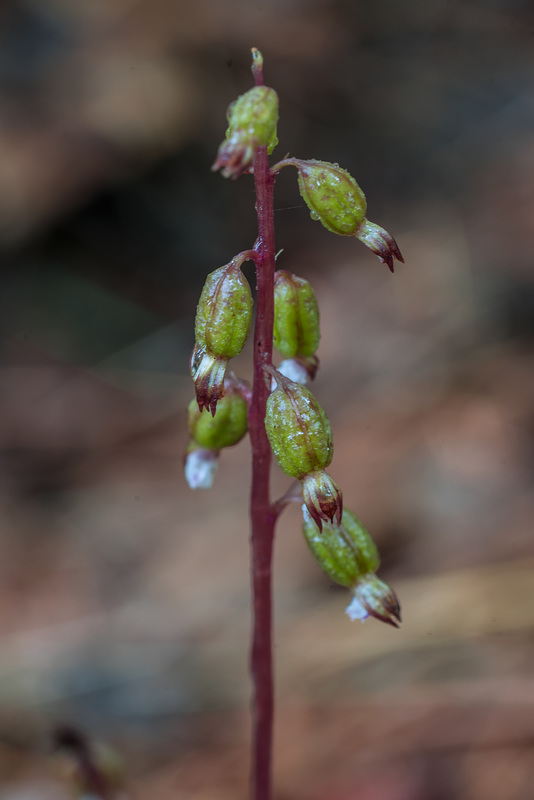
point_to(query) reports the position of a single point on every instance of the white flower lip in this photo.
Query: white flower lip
(355, 610)
(294, 370)
(200, 468)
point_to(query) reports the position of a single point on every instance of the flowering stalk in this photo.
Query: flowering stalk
(262, 515)
(281, 414)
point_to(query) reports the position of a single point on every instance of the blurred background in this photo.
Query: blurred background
(124, 596)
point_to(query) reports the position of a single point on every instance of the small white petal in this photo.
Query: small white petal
(355, 610)
(205, 363)
(294, 370)
(306, 515)
(200, 468)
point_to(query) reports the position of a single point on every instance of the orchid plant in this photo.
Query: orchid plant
(280, 414)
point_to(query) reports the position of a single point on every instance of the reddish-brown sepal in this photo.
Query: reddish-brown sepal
(208, 373)
(371, 597)
(323, 498)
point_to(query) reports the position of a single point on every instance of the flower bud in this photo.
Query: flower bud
(200, 467)
(322, 497)
(224, 311)
(296, 316)
(301, 439)
(225, 428)
(298, 429)
(334, 198)
(252, 121)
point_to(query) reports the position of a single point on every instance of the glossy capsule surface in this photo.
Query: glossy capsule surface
(296, 316)
(298, 429)
(224, 312)
(344, 552)
(225, 428)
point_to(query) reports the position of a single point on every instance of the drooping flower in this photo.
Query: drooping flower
(347, 554)
(212, 433)
(222, 325)
(335, 199)
(301, 439)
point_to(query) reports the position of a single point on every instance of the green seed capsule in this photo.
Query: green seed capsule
(226, 428)
(298, 429)
(344, 552)
(296, 316)
(224, 311)
(332, 195)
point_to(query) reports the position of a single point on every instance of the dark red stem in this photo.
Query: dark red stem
(263, 515)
